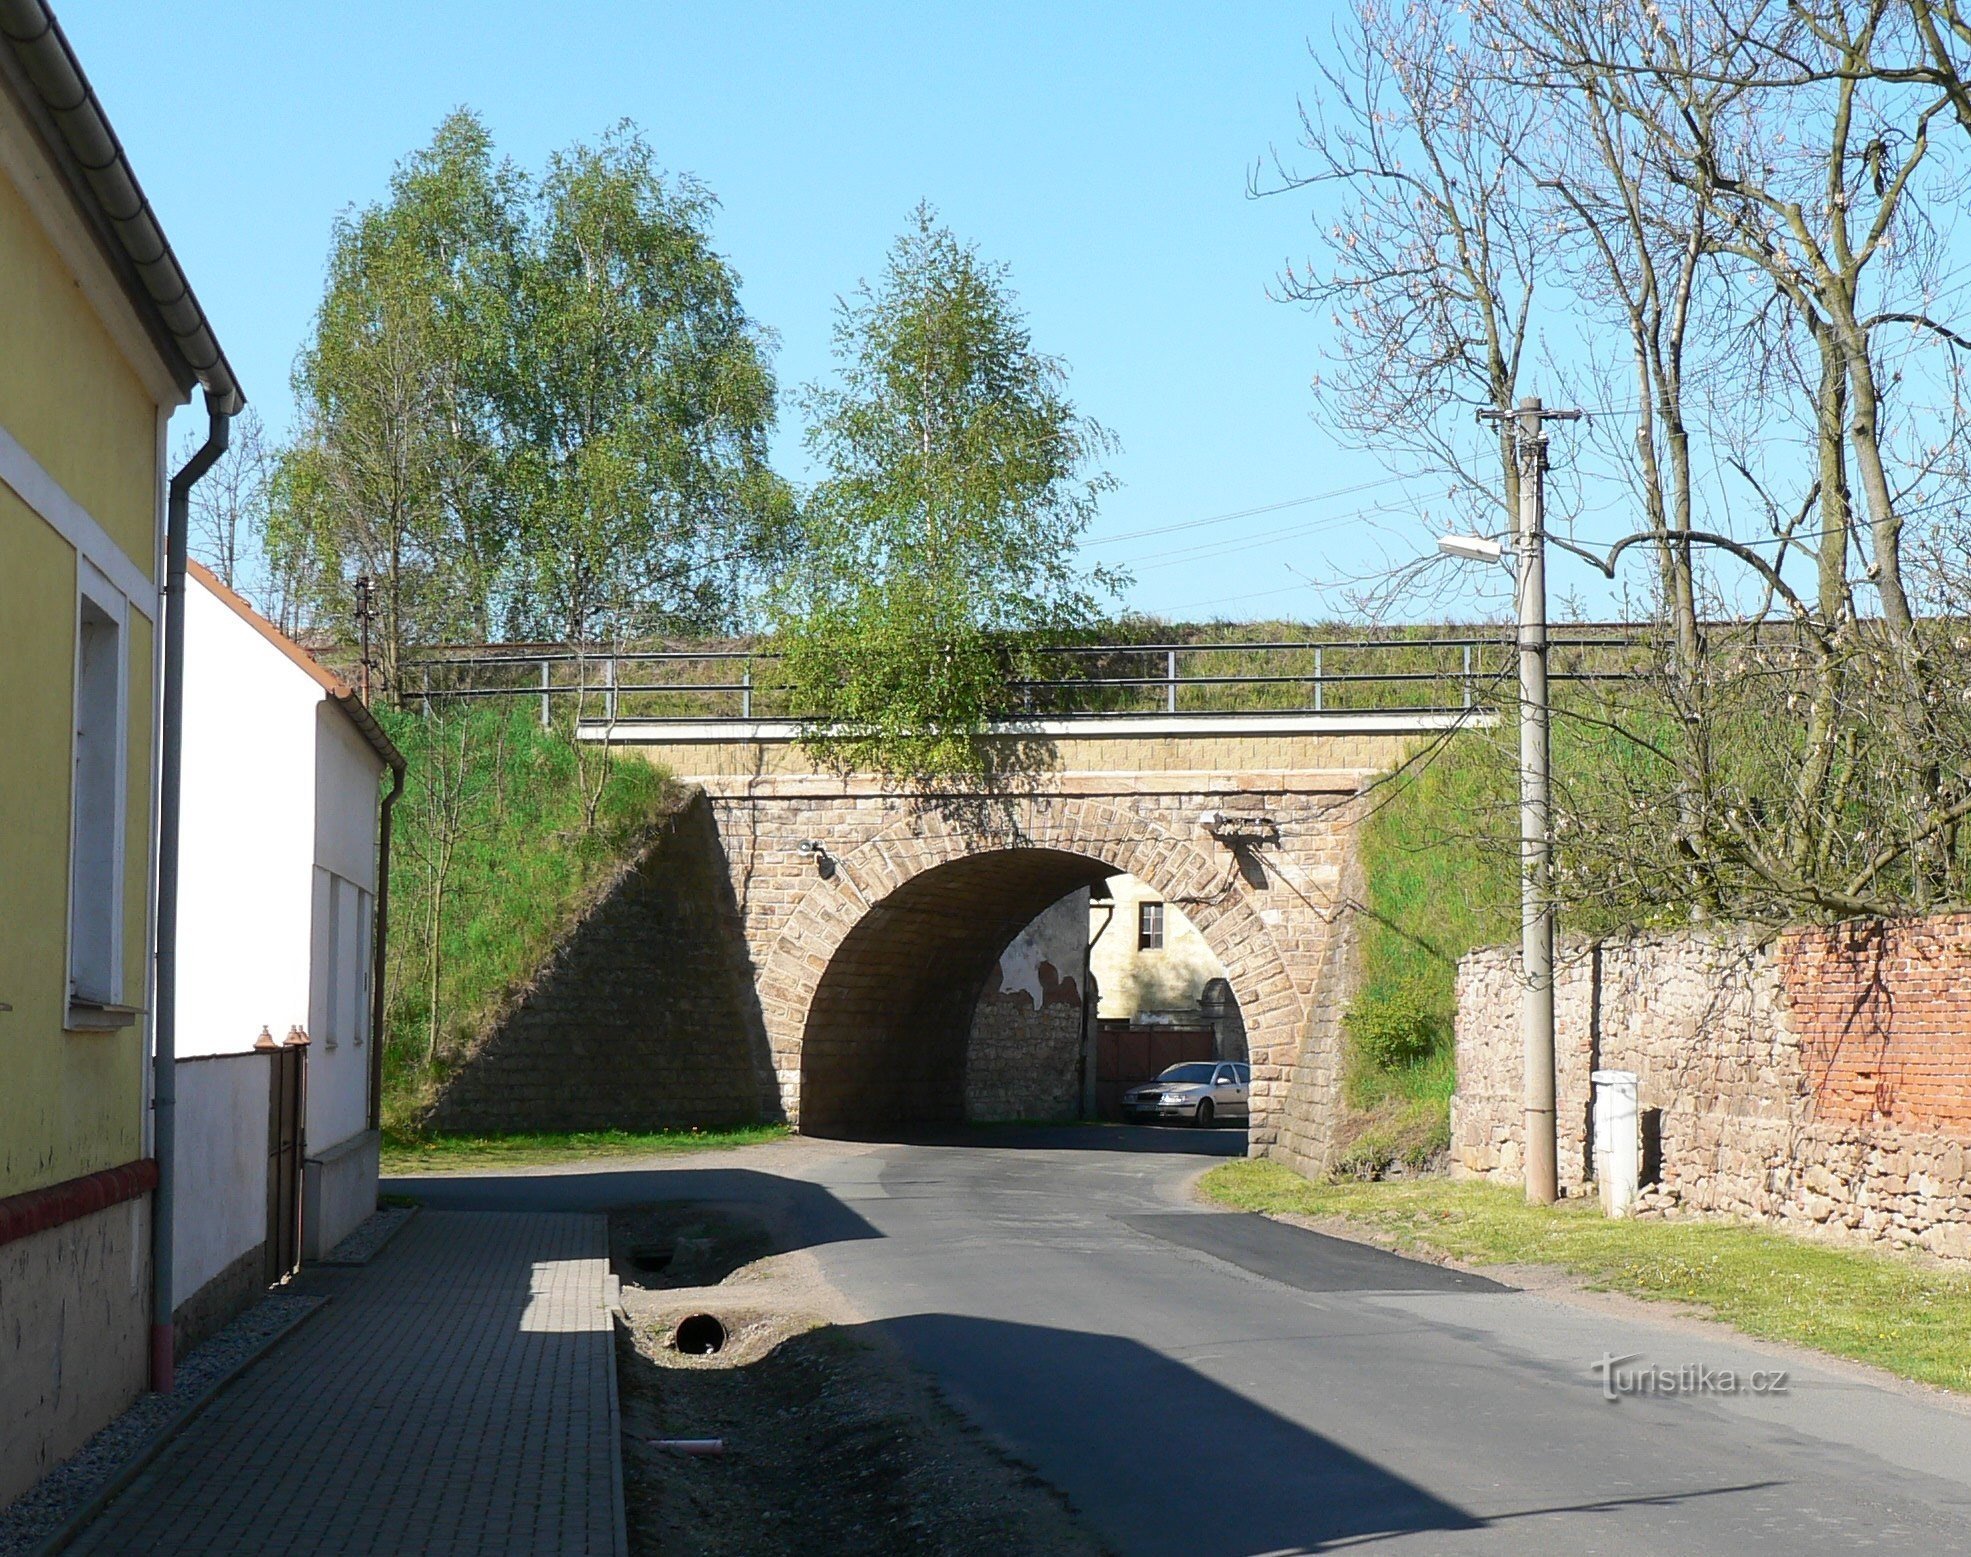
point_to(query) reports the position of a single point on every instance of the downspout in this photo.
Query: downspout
(1089, 1003)
(380, 943)
(164, 1026)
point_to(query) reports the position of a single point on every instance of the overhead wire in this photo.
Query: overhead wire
(1150, 562)
(1243, 513)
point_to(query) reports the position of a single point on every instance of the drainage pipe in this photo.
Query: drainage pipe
(164, 1026)
(380, 943)
(1090, 1003)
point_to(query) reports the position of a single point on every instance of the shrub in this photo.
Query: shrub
(1394, 1028)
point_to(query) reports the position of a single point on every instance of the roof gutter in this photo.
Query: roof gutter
(164, 1027)
(43, 69)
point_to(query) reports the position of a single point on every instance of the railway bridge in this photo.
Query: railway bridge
(873, 914)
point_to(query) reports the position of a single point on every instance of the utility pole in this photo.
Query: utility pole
(364, 611)
(1536, 907)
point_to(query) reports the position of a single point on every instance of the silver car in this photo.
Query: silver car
(1203, 1091)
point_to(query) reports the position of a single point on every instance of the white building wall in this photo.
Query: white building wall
(347, 774)
(246, 870)
(276, 907)
(220, 1212)
(1058, 937)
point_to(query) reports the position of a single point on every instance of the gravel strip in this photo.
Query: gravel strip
(41, 1519)
(367, 1241)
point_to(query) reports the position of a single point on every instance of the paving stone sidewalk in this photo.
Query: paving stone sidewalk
(456, 1396)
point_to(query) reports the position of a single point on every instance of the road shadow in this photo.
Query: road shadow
(1165, 1462)
(801, 1215)
(1162, 1459)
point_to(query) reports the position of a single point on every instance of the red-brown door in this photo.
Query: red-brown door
(287, 1114)
(1127, 1057)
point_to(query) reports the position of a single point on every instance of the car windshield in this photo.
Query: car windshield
(1188, 1073)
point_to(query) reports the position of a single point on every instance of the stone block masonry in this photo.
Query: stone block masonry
(869, 954)
(873, 915)
(644, 1020)
(1819, 1078)
(1023, 1061)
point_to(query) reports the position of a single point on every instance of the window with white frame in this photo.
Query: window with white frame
(97, 810)
(344, 915)
(1149, 927)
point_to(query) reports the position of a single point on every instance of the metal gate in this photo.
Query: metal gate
(1127, 1056)
(287, 1115)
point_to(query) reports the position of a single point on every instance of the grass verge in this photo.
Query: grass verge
(1891, 1312)
(408, 1153)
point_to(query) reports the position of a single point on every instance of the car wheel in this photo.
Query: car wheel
(1205, 1112)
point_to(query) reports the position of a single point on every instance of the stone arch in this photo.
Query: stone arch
(870, 985)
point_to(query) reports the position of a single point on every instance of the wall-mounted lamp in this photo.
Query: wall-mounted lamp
(1240, 829)
(816, 850)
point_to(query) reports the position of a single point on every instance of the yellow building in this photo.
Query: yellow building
(100, 338)
(1148, 961)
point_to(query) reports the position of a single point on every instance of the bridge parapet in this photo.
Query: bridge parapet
(1231, 744)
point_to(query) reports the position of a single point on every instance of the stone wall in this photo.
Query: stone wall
(645, 1019)
(870, 955)
(1820, 1078)
(1024, 1062)
(1023, 1059)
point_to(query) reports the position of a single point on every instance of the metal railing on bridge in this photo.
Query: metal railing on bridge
(1425, 673)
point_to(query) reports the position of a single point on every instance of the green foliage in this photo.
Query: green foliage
(390, 473)
(638, 405)
(1437, 885)
(408, 1151)
(1882, 1309)
(530, 406)
(940, 545)
(502, 837)
(1396, 1029)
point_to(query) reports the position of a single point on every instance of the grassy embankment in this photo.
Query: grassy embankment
(1435, 885)
(1892, 1312)
(1440, 878)
(505, 835)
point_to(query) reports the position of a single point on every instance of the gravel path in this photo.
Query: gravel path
(367, 1241)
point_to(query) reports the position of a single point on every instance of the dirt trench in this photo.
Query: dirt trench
(832, 1442)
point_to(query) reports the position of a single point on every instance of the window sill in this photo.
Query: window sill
(95, 1016)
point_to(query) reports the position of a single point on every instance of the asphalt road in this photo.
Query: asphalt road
(1204, 1383)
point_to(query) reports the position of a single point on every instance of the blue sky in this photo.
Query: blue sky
(1100, 151)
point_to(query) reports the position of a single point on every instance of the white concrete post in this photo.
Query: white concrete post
(1618, 1140)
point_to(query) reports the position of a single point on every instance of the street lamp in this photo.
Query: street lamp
(1471, 548)
(1536, 909)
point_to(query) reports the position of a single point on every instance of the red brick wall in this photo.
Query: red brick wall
(1883, 1014)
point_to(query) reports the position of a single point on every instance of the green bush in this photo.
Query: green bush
(1394, 1028)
